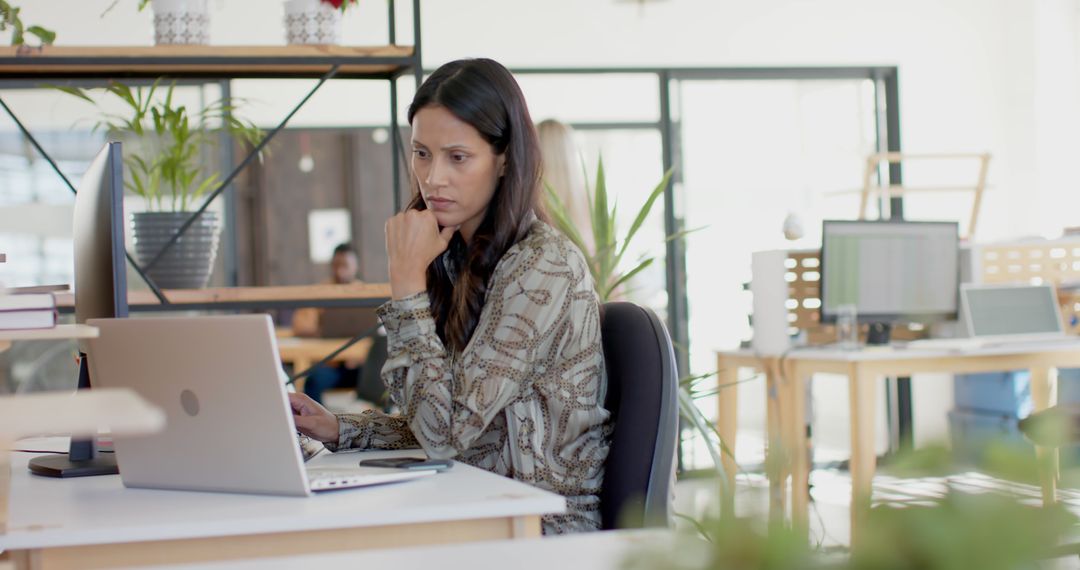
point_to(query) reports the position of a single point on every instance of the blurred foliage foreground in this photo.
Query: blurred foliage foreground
(1005, 527)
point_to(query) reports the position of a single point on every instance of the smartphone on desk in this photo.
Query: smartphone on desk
(411, 463)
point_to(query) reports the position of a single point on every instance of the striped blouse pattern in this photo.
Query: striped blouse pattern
(525, 397)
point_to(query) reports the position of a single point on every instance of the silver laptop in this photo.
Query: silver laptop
(1010, 313)
(229, 424)
(1002, 315)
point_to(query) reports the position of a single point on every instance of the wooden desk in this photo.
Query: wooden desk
(95, 522)
(302, 352)
(786, 382)
(595, 550)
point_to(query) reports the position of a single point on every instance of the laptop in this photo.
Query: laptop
(229, 426)
(1005, 315)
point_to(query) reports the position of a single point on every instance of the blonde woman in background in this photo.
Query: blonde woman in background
(562, 171)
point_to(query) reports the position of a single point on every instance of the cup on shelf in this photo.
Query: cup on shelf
(847, 327)
(311, 22)
(181, 22)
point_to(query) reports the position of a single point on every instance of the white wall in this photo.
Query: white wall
(996, 75)
(975, 75)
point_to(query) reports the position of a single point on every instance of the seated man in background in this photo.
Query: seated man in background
(305, 323)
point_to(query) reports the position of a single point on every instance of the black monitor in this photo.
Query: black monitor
(100, 288)
(891, 271)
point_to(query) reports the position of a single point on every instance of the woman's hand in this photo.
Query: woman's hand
(312, 419)
(413, 241)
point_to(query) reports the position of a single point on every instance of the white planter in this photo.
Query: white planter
(311, 22)
(181, 22)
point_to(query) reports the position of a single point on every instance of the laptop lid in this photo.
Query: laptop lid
(229, 425)
(1011, 311)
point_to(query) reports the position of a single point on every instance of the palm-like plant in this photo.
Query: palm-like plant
(607, 256)
(605, 261)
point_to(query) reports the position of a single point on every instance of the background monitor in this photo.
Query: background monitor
(100, 288)
(891, 271)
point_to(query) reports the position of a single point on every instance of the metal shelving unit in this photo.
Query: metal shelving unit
(23, 67)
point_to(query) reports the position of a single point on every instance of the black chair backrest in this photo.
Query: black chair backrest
(642, 396)
(369, 385)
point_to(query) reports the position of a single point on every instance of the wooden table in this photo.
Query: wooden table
(786, 384)
(302, 352)
(95, 522)
(607, 550)
(233, 298)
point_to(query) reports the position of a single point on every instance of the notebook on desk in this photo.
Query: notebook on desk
(229, 426)
(1004, 315)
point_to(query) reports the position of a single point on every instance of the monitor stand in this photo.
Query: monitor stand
(878, 334)
(82, 459)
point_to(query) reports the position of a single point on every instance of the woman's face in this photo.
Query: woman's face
(456, 168)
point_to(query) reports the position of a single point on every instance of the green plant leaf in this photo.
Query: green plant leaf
(643, 213)
(561, 217)
(625, 277)
(600, 219)
(47, 37)
(74, 91)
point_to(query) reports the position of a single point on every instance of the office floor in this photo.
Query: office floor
(831, 500)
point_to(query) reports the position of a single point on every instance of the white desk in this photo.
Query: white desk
(595, 551)
(96, 522)
(786, 380)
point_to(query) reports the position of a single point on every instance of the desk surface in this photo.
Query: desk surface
(100, 510)
(596, 550)
(900, 352)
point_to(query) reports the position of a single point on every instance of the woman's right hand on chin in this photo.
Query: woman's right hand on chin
(413, 241)
(312, 419)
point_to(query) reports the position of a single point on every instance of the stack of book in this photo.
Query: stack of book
(27, 311)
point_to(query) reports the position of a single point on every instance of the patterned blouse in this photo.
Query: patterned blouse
(525, 397)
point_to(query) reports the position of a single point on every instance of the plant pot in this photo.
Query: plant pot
(188, 262)
(183, 22)
(311, 22)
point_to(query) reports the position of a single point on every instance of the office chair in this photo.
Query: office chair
(369, 385)
(643, 400)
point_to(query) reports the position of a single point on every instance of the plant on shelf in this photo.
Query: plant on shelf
(164, 146)
(341, 4)
(9, 18)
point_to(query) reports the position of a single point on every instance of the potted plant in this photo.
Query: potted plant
(314, 21)
(164, 141)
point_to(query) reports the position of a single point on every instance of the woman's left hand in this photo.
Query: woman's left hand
(413, 241)
(312, 419)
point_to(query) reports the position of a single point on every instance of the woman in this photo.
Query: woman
(493, 330)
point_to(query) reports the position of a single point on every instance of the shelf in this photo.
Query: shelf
(80, 413)
(233, 298)
(57, 332)
(300, 61)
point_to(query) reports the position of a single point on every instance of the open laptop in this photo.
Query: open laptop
(229, 426)
(1003, 315)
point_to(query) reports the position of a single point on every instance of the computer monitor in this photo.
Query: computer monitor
(100, 288)
(891, 271)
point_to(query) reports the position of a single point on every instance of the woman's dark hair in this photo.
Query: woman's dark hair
(484, 94)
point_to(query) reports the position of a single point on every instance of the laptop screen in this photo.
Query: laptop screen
(1012, 310)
